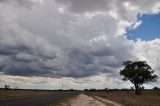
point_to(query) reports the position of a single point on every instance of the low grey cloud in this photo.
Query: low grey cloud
(121, 9)
(19, 3)
(86, 5)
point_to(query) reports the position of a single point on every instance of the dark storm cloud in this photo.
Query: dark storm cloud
(79, 56)
(26, 71)
(65, 51)
(82, 63)
(28, 67)
(49, 40)
(12, 50)
(2, 67)
(26, 61)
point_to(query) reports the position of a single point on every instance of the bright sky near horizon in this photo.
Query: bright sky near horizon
(79, 44)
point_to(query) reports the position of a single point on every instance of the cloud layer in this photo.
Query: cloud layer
(72, 38)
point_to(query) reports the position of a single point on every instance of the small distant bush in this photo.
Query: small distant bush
(156, 88)
(106, 89)
(6, 87)
(86, 90)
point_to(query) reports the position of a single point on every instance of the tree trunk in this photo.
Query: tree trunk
(136, 89)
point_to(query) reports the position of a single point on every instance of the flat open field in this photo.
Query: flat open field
(15, 94)
(33, 97)
(72, 98)
(128, 98)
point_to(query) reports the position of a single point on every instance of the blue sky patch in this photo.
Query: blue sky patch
(148, 30)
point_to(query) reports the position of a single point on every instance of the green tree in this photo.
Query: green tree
(138, 73)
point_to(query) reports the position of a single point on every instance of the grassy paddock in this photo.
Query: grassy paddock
(15, 94)
(128, 98)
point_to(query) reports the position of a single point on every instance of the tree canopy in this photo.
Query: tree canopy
(138, 73)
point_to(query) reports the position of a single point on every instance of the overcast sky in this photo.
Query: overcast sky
(78, 43)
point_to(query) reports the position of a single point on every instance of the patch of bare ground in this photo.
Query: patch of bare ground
(107, 102)
(84, 100)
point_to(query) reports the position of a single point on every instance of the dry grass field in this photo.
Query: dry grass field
(128, 98)
(34, 97)
(15, 94)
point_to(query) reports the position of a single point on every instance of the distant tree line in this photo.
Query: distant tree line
(120, 89)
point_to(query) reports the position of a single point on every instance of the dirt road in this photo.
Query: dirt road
(84, 100)
(36, 101)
